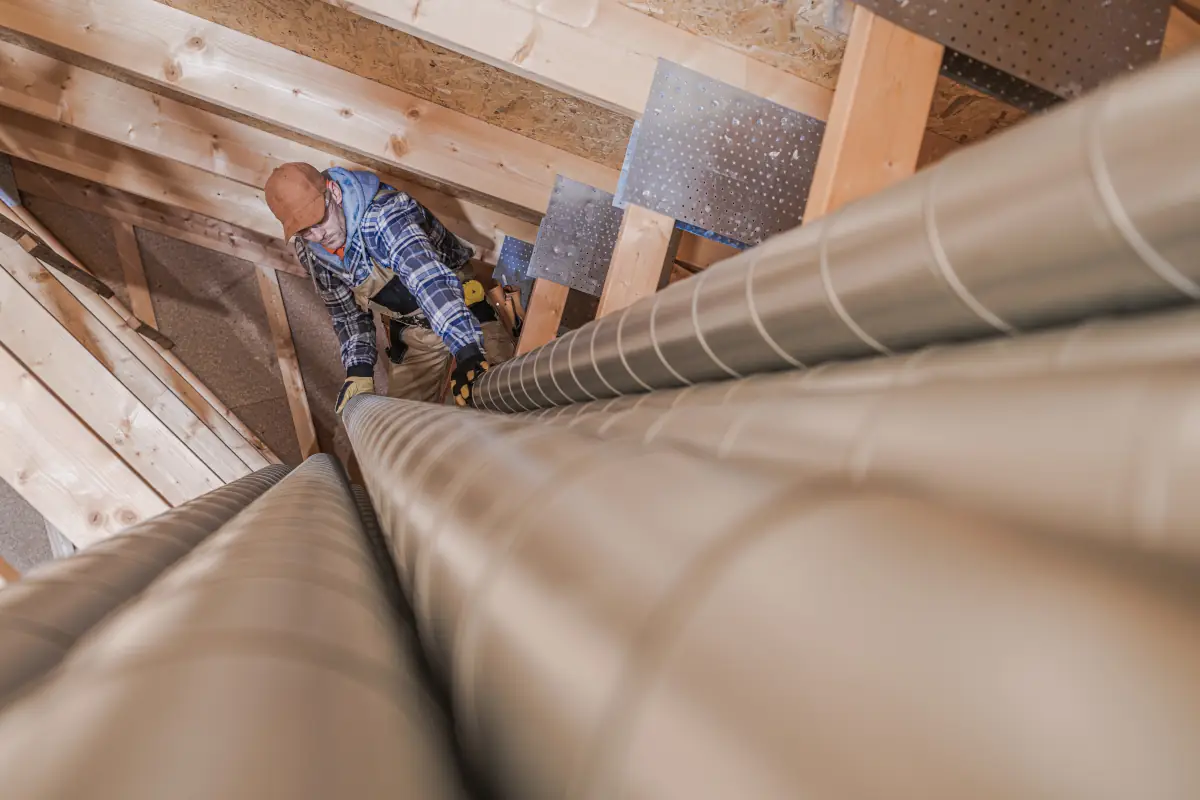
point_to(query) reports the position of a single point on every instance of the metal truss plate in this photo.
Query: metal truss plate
(1065, 47)
(720, 158)
(512, 267)
(576, 239)
(999, 84)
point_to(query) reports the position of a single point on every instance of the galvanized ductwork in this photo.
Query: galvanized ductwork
(268, 663)
(1090, 209)
(616, 620)
(43, 615)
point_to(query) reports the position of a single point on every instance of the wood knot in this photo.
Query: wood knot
(413, 113)
(346, 113)
(95, 519)
(127, 516)
(172, 71)
(398, 146)
(195, 43)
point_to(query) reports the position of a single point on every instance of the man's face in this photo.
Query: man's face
(330, 232)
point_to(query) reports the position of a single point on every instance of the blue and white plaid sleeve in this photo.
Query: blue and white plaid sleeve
(434, 285)
(354, 327)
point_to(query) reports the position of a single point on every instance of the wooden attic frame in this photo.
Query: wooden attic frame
(101, 425)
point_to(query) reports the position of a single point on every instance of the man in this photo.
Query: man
(369, 247)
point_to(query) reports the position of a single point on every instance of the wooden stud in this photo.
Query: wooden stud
(60, 467)
(237, 73)
(879, 112)
(8, 573)
(641, 260)
(92, 392)
(130, 256)
(53, 90)
(544, 315)
(289, 364)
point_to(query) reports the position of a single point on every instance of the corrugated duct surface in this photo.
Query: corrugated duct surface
(616, 620)
(1087, 210)
(268, 663)
(44, 614)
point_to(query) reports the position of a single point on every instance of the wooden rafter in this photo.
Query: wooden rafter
(186, 226)
(60, 467)
(50, 351)
(200, 140)
(130, 256)
(241, 74)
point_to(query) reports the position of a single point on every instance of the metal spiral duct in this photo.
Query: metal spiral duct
(1090, 209)
(44, 615)
(267, 663)
(1089, 430)
(617, 620)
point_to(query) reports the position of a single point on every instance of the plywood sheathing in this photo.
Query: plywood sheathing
(366, 48)
(210, 305)
(808, 38)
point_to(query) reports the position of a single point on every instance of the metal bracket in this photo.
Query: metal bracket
(719, 158)
(576, 239)
(1066, 47)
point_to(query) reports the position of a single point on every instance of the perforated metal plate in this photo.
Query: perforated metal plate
(721, 159)
(576, 239)
(1063, 46)
(512, 266)
(997, 83)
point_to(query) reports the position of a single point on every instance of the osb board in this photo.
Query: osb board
(338, 37)
(89, 237)
(808, 38)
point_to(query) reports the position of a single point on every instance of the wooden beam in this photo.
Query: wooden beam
(52, 90)
(60, 467)
(877, 122)
(1183, 32)
(8, 573)
(641, 261)
(145, 371)
(241, 74)
(93, 393)
(544, 315)
(186, 226)
(598, 50)
(130, 256)
(289, 364)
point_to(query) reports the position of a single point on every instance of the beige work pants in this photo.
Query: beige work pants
(425, 370)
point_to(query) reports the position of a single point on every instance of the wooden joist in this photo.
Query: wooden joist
(60, 467)
(879, 111)
(49, 350)
(598, 50)
(641, 261)
(289, 363)
(241, 74)
(55, 91)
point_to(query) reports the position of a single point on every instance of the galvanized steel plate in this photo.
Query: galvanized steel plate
(999, 84)
(1065, 47)
(720, 158)
(512, 266)
(576, 239)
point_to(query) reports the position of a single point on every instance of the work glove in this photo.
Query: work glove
(467, 369)
(353, 386)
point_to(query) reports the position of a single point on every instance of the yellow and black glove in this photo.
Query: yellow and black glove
(469, 366)
(354, 385)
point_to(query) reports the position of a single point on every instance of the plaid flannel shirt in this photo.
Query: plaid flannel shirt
(403, 236)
